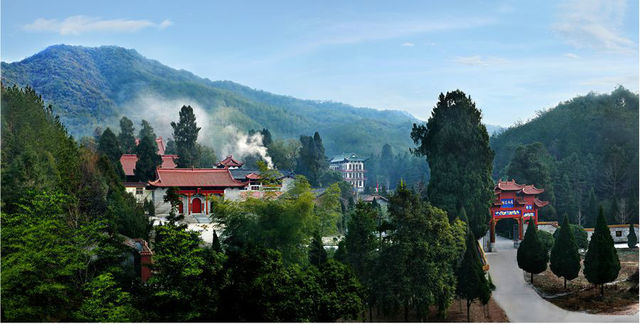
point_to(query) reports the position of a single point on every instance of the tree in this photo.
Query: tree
(456, 145)
(565, 259)
(632, 239)
(471, 281)
(148, 160)
(601, 264)
(592, 209)
(206, 156)
(328, 210)
(284, 153)
(185, 135)
(109, 146)
(170, 148)
(126, 138)
(532, 256)
(147, 131)
(311, 159)
(215, 243)
(386, 165)
(106, 302)
(532, 164)
(579, 234)
(317, 254)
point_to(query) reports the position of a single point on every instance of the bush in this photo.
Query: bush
(579, 234)
(546, 239)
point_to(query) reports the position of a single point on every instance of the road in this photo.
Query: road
(521, 302)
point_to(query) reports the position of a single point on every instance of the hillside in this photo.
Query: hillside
(92, 87)
(593, 141)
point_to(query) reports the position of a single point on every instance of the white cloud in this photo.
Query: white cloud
(594, 24)
(571, 55)
(76, 25)
(408, 44)
(479, 60)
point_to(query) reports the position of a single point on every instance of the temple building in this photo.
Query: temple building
(352, 169)
(128, 162)
(229, 163)
(516, 201)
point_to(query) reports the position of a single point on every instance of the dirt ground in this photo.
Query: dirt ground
(457, 313)
(581, 295)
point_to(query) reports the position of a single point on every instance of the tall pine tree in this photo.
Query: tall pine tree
(148, 160)
(532, 256)
(185, 135)
(126, 138)
(565, 259)
(456, 145)
(109, 146)
(601, 264)
(632, 238)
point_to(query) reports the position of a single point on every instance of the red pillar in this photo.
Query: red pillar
(492, 230)
(520, 225)
(145, 266)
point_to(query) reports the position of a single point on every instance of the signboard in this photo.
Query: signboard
(507, 212)
(507, 203)
(529, 214)
(528, 207)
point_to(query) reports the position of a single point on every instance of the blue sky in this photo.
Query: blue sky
(513, 57)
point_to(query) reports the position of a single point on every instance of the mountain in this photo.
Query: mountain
(91, 87)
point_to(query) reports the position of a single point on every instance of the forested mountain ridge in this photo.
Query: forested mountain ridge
(92, 87)
(592, 145)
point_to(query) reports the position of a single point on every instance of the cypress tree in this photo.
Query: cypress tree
(109, 146)
(215, 243)
(147, 130)
(532, 256)
(456, 145)
(632, 239)
(185, 135)
(565, 259)
(472, 284)
(126, 138)
(148, 160)
(601, 264)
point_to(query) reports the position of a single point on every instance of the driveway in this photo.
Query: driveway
(521, 302)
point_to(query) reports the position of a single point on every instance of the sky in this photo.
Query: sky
(513, 58)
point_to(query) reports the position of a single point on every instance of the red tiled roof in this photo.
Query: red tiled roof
(540, 203)
(253, 176)
(160, 144)
(532, 190)
(229, 162)
(195, 178)
(128, 162)
(508, 185)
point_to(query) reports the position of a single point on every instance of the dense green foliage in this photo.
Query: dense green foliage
(126, 138)
(532, 255)
(148, 159)
(185, 135)
(386, 170)
(580, 236)
(96, 86)
(62, 209)
(592, 143)
(312, 162)
(601, 263)
(472, 283)
(546, 239)
(564, 258)
(456, 145)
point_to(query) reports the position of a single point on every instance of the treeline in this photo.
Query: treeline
(386, 170)
(584, 153)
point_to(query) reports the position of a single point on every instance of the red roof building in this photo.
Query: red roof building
(516, 201)
(128, 162)
(229, 162)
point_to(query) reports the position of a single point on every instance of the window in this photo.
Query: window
(139, 191)
(255, 187)
(618, 233)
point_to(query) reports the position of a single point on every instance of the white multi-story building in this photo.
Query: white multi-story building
(352, 169)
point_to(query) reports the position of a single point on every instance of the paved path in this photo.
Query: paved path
(521, 302)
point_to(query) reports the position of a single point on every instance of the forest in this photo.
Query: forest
(66, 216)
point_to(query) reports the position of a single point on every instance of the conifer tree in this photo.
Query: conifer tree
(148, 159)
(632, 239)
(456, 144)
(215, 243)
(532, 256)
(565, 259)
(317, 254)
(592, 209)
(185, 135)
(109, 146)
(472, 284)
(147, 130)
(126, 138)
(601, 264)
